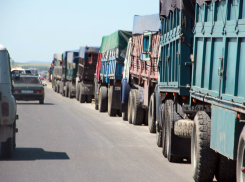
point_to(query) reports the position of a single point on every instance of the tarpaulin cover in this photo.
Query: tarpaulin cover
(148, 22)
(186, 6)
(91, 50)
(118, 39)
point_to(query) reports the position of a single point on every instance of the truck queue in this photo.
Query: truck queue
(180, 72)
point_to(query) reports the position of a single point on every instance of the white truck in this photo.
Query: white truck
(7, 105)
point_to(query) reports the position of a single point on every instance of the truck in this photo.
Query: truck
(8, 107)
(69, 73)
(107, 83)
(140, 77)
(57, 71)
(201, 87)
(84, 87)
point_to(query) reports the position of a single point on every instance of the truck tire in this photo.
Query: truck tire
(103, 99)
(66, 89)
(41, 101)
(7, 148)
(125, 116)
(89, 98)
(69, 91)
(171, 117)
(164, 143)
(77, 91)
(14, 135)
(152, 114)
(130, 101)
(240, 157)
(137, 110)
(119, 113)
(55, 86)
(159, 138)
(226, 169)
(183, 128)
(111, 111)
(203, 158)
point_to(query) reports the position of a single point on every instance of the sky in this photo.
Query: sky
(33, 30)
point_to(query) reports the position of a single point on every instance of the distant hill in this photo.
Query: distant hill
(33, 62)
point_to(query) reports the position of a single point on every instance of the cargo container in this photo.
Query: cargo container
(218, 84)
(57, 71)
(213, 113)
(84, 85)
(174, 80)
(108, 87)
(69, 71)
(140, 73)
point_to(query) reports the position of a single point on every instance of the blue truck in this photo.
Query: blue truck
(108, 85)
(200, 92)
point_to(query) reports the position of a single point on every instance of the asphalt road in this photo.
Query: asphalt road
(64, 140)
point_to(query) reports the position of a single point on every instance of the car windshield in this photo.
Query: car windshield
(28, 80)
(28, 72)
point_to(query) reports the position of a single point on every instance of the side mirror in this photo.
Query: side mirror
(145, 57)
(44, 84)
(15, 76)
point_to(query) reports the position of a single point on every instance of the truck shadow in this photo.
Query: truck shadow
(26, 154)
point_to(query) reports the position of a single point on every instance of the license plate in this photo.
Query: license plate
(27, 91)
(117, 88)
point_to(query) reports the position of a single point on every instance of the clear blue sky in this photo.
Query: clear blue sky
(33, 30)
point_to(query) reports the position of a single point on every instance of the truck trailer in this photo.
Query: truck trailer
(57, 71)
(140, 77)
(85, 76)
(201, 87)
(107, 83)
(173, 125)
(69, 71)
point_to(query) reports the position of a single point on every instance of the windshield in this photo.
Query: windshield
(28, 80)
(34, 72)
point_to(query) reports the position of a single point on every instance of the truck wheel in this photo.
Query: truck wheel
(89, 99)
(125, 116)
(103, 99)
(171, 117)
(164, 143)
(55, 86)
(77, 91)
(111, 111)
(119, 113)
(41, 101)
(152, 114)
(241, 157)
(14, 135)
(130, 101)
(137, 110)
(159, 138)
(203, 158)
(7, 148)
(69, 91)
(183, 128)
(66, 89)
(226, 169)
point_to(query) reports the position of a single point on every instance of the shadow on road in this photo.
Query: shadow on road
(25, 154)
(28, 103)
